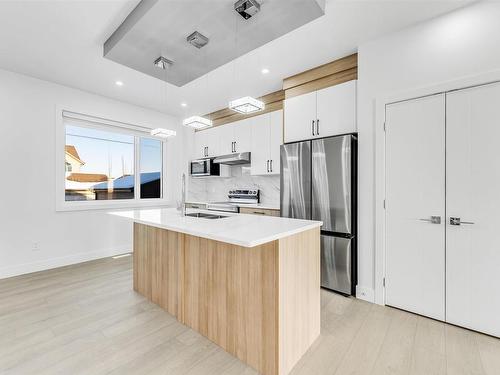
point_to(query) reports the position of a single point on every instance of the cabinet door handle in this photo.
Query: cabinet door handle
(267, 166)
(234, 146)
(312, 127)
(317, 126)
(271, 165)
(258, 213)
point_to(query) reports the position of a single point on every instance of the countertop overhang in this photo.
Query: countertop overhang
(237, 229)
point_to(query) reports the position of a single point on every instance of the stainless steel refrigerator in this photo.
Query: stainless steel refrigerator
(319, 182)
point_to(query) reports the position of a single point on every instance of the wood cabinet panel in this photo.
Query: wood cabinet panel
(259, 211)
(156, 265)
(260, 304)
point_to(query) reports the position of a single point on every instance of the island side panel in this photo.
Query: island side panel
(157, 260)
(231, 297)
(299, 293)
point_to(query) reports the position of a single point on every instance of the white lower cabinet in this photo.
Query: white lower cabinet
(442, 184)
(267, 138)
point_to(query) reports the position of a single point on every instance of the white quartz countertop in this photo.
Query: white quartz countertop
(237, 229)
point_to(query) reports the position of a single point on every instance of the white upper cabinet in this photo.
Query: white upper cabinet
(260, 145)
(207, 143)
(243, 135)
(300, 112)
(226, 140)
(323, 113)
(336, 110)
(267, 138)
(276, 140)
(235, 137)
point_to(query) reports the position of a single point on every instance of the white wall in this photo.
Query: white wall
(27, 168)
(460, 44)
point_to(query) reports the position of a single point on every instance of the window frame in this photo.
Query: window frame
(60, 175)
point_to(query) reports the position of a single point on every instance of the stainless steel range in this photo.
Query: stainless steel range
(236, 197)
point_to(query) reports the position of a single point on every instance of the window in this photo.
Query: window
(101, 160)
(151, 165)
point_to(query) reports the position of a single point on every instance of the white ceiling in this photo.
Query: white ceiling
(62, 41)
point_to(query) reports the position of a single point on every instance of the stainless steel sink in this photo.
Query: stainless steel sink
(205, 216)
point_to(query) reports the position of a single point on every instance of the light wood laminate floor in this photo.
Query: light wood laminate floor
(85, 319)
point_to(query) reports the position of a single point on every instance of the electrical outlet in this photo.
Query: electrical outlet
(35, 246)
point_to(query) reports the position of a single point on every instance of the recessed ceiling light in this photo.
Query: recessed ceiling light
(265, 71)
(184, 104)
(119, 83)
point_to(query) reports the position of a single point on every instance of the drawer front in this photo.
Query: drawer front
(259, 211)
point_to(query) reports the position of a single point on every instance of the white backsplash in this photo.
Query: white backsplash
(215, 189)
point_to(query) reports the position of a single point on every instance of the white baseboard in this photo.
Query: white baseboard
(366, 294)
(21, 269)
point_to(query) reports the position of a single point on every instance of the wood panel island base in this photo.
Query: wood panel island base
(259, 303)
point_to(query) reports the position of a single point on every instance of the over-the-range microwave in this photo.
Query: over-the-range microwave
(204, 167)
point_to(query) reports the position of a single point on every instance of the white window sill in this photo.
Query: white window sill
(112, 204)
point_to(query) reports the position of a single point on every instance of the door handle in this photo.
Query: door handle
(271, 165)
(433, 220)
(317, 126)
(234, 146)
(268, 166)
(457, 221)
(312, 127)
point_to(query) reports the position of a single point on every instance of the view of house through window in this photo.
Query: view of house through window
(100, 165)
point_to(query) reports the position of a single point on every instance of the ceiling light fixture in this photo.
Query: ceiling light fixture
(247, 8)
(119, 83)
(163, 133)
(246, 104)
(265, 71)
(197, 122)
(163, 63)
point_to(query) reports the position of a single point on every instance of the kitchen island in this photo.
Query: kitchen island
(251, 284)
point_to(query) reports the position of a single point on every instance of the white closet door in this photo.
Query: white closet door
(473, 195)
(415, 192)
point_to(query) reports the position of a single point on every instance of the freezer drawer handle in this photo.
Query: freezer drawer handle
(457, 221)
(433, 220)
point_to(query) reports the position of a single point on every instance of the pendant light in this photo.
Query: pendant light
(198, 122)
(246, 104)
(163, 63)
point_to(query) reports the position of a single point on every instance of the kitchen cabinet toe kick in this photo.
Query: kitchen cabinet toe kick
(260, 304)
